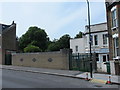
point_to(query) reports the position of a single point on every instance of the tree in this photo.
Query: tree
(53, 47)
(62, 43)
(79, 35)
(32, 48)
(34, 36)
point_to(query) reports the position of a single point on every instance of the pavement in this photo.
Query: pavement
(97, 77)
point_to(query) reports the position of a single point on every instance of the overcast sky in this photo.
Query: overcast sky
(57, 18)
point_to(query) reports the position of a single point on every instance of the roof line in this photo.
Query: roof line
(97, 24)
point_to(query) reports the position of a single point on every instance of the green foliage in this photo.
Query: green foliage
(62, 43)
(35, 39)
(53, 47)
(32, 48)
(79, 35)
(34, 36)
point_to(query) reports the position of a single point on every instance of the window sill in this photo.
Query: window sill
(105, 46)
(95, 46)
(114, 28)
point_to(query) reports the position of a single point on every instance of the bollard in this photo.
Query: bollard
(109, 80)
(86, 77)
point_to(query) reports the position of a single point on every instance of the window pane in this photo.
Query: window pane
(114, 18)
(117, 51)
(104, 58)
(91, 37)
(108, 57)
(76, 48)
(117, 42)
(97, 57)
(96, 39)
(104, 39)
(114, 47)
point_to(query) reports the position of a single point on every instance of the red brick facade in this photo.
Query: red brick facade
(113, 32)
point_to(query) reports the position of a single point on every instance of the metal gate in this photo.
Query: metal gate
(8, 58)
(80, 62)
(117, 67)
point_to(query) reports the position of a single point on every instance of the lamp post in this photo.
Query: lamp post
(89, 38)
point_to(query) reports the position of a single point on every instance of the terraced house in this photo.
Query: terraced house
(7, 42)
(99, 47)
(113, 22)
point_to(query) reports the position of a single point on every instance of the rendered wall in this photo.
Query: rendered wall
(53, 60)
(80, 42)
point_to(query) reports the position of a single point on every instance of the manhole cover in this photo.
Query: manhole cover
(97, 85)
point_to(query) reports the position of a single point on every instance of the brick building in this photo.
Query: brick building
(7, 42)
(113, 22)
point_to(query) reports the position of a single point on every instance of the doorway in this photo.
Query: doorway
(8, 57)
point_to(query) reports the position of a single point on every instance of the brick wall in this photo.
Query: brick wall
(119, 26)
(8, 41)
(0, 48)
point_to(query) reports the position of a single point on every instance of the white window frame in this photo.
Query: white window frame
(114, 23)
(106, 57)
(116, 47)
(104, 37)
(76, 48)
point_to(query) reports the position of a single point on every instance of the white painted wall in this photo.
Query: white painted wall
(96, 28)
(112, 67)
(100, 42)
(77, 42)
(101, 67)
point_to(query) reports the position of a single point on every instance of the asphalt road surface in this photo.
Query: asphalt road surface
(20, 79)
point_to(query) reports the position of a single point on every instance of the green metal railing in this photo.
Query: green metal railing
(80, 62)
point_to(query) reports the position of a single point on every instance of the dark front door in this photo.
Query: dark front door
(104, 58)
(8, 58)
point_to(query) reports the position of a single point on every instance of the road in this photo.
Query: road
(20, 79)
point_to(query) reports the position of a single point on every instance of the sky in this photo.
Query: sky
(56, 18)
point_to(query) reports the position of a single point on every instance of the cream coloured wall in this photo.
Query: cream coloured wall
(53, 60)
